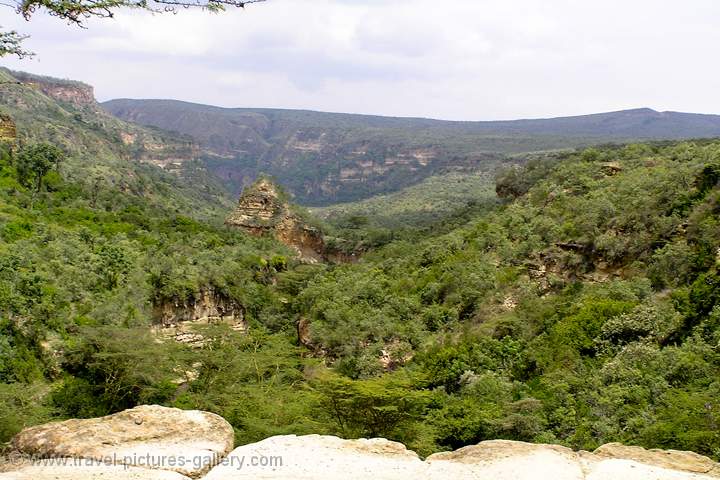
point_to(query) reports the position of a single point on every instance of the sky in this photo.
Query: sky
(447, 59)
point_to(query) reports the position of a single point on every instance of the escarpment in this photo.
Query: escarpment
(262, 210)
(35, 106)
(76, 93)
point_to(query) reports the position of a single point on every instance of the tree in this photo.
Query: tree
(77, 11)
(35, 161)
(382, 407)
(113, 264)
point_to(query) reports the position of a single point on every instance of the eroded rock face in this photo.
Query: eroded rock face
(176, 318)
(261, 211)
(188, 442)
(77, 93)
(8, 130)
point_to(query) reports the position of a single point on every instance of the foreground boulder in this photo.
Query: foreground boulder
(150, 437)
(320, 457)
(158, 443)
(504, 459)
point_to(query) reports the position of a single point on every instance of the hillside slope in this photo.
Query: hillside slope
(159, 166)
(332, 157)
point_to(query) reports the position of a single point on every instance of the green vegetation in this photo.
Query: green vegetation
(428, 202)
(80, 272)
(581, 309)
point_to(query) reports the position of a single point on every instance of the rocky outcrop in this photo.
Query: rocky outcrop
(176, 318)
(160, 434)
(77, 94)
(188, 442)
(262, 210)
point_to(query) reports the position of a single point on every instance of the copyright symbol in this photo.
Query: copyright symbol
(16, 459)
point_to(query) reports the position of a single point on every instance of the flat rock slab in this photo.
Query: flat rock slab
(320, 456)
(316, 457)
(189, 442)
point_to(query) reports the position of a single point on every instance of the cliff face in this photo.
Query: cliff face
(175, 318)
(76, 93)
(65, 112)
(160, 151)
(261, 210)
(8, 131)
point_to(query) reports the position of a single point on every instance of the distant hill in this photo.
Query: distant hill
(334, 157)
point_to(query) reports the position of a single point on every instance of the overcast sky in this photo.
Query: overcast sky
(450, 59)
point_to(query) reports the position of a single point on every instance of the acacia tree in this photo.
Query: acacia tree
(35, 161)
(77, 11)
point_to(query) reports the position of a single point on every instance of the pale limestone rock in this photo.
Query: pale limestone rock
(507, 460)
(164, 433)
(670, 459)
(188, 442)
(620, 469)
(320, 457)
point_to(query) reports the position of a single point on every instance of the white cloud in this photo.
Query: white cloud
(460, 59)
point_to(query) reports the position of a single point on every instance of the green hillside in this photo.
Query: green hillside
(104, 150)
(581, 309)
(431, 200)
